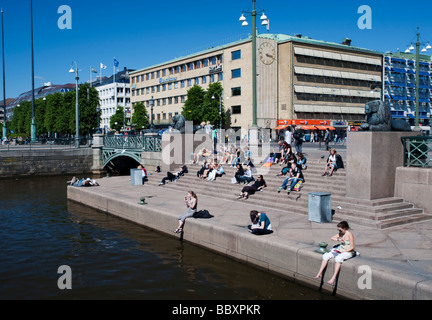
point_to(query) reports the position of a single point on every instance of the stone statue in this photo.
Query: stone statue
(378, 118)
(179, 123)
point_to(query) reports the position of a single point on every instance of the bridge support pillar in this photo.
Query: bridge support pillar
(97, 146)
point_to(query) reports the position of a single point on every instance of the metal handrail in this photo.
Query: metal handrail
(417, 151)
(152, 143)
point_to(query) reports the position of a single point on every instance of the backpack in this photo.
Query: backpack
(203, 214)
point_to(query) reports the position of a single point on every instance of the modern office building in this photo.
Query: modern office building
(299, 81)
(399, 89)
(114, 91)
(326, 84)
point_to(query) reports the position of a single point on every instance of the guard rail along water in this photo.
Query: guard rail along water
(417, 151)
(150, 143)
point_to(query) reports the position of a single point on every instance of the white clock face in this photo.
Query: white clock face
(267, 53)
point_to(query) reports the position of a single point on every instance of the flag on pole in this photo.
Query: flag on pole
(93, 70)
(116, 63)
(102, 66)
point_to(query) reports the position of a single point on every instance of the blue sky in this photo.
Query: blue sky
(141, 33)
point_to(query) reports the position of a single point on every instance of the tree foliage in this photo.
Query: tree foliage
(139, 117)
(192, 110)
(56, 113)
(202, 106)
(117, 120)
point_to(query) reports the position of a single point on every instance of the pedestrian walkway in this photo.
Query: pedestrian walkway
(394, 258)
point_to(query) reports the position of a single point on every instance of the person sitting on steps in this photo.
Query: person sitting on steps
(296, 175)
(334, 162)
(259, 185)
(174, 176)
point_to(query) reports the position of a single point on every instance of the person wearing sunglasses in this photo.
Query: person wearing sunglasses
(341, 252)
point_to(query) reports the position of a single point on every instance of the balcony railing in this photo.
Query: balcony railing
(417, 151)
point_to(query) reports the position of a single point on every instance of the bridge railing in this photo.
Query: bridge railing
(149, 143)
(417, 151)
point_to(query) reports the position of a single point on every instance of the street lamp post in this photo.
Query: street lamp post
(151, 114)
(4, 81)
(33, 122)
(254, 65)
(220, 108)
(98, 115)
(71, 70)
(426, 47)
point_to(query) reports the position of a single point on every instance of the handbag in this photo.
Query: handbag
(233, 180)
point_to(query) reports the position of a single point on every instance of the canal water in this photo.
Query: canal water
(110, 258)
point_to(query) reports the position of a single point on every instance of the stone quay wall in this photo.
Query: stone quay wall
(43, 162)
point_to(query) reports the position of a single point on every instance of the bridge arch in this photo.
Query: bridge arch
(120, 161)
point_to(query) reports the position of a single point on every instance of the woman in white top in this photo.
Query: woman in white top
(341, 252)
(331, 163)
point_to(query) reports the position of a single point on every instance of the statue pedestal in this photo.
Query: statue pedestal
(372, 159)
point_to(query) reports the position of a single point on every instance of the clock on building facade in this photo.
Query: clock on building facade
(267, 53)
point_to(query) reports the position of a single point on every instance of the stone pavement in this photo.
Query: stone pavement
(395, 263)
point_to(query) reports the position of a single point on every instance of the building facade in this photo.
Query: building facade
(3, 109)
(113, 92)
(322, 83)
(400, 83)
(299, 81)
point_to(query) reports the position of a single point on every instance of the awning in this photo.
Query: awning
(320, 127)
(305, 127)
(325, 127)
(282, 127)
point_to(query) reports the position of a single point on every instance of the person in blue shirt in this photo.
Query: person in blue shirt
(301, 161)
(260, 223)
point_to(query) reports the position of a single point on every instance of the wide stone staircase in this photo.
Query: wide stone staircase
(381, 213)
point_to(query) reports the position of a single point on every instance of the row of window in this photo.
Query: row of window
(178, 69)
(330, 98)
(202, 63)
(178, 84)
(110, 101)
(335, 81)
(410, 64)
(337, 63)
(110, 91)
(236, 73)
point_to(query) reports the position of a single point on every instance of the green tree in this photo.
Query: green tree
(66, 119)
(117, 119)
(211, 106)
(54, 103)
(40, 107)
(21, 120)
(139, 117)
(88, 99)
(193, 109)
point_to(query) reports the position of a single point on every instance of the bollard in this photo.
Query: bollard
(322, 248)
(142, 201)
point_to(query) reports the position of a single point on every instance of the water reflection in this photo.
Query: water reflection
(111, 258)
